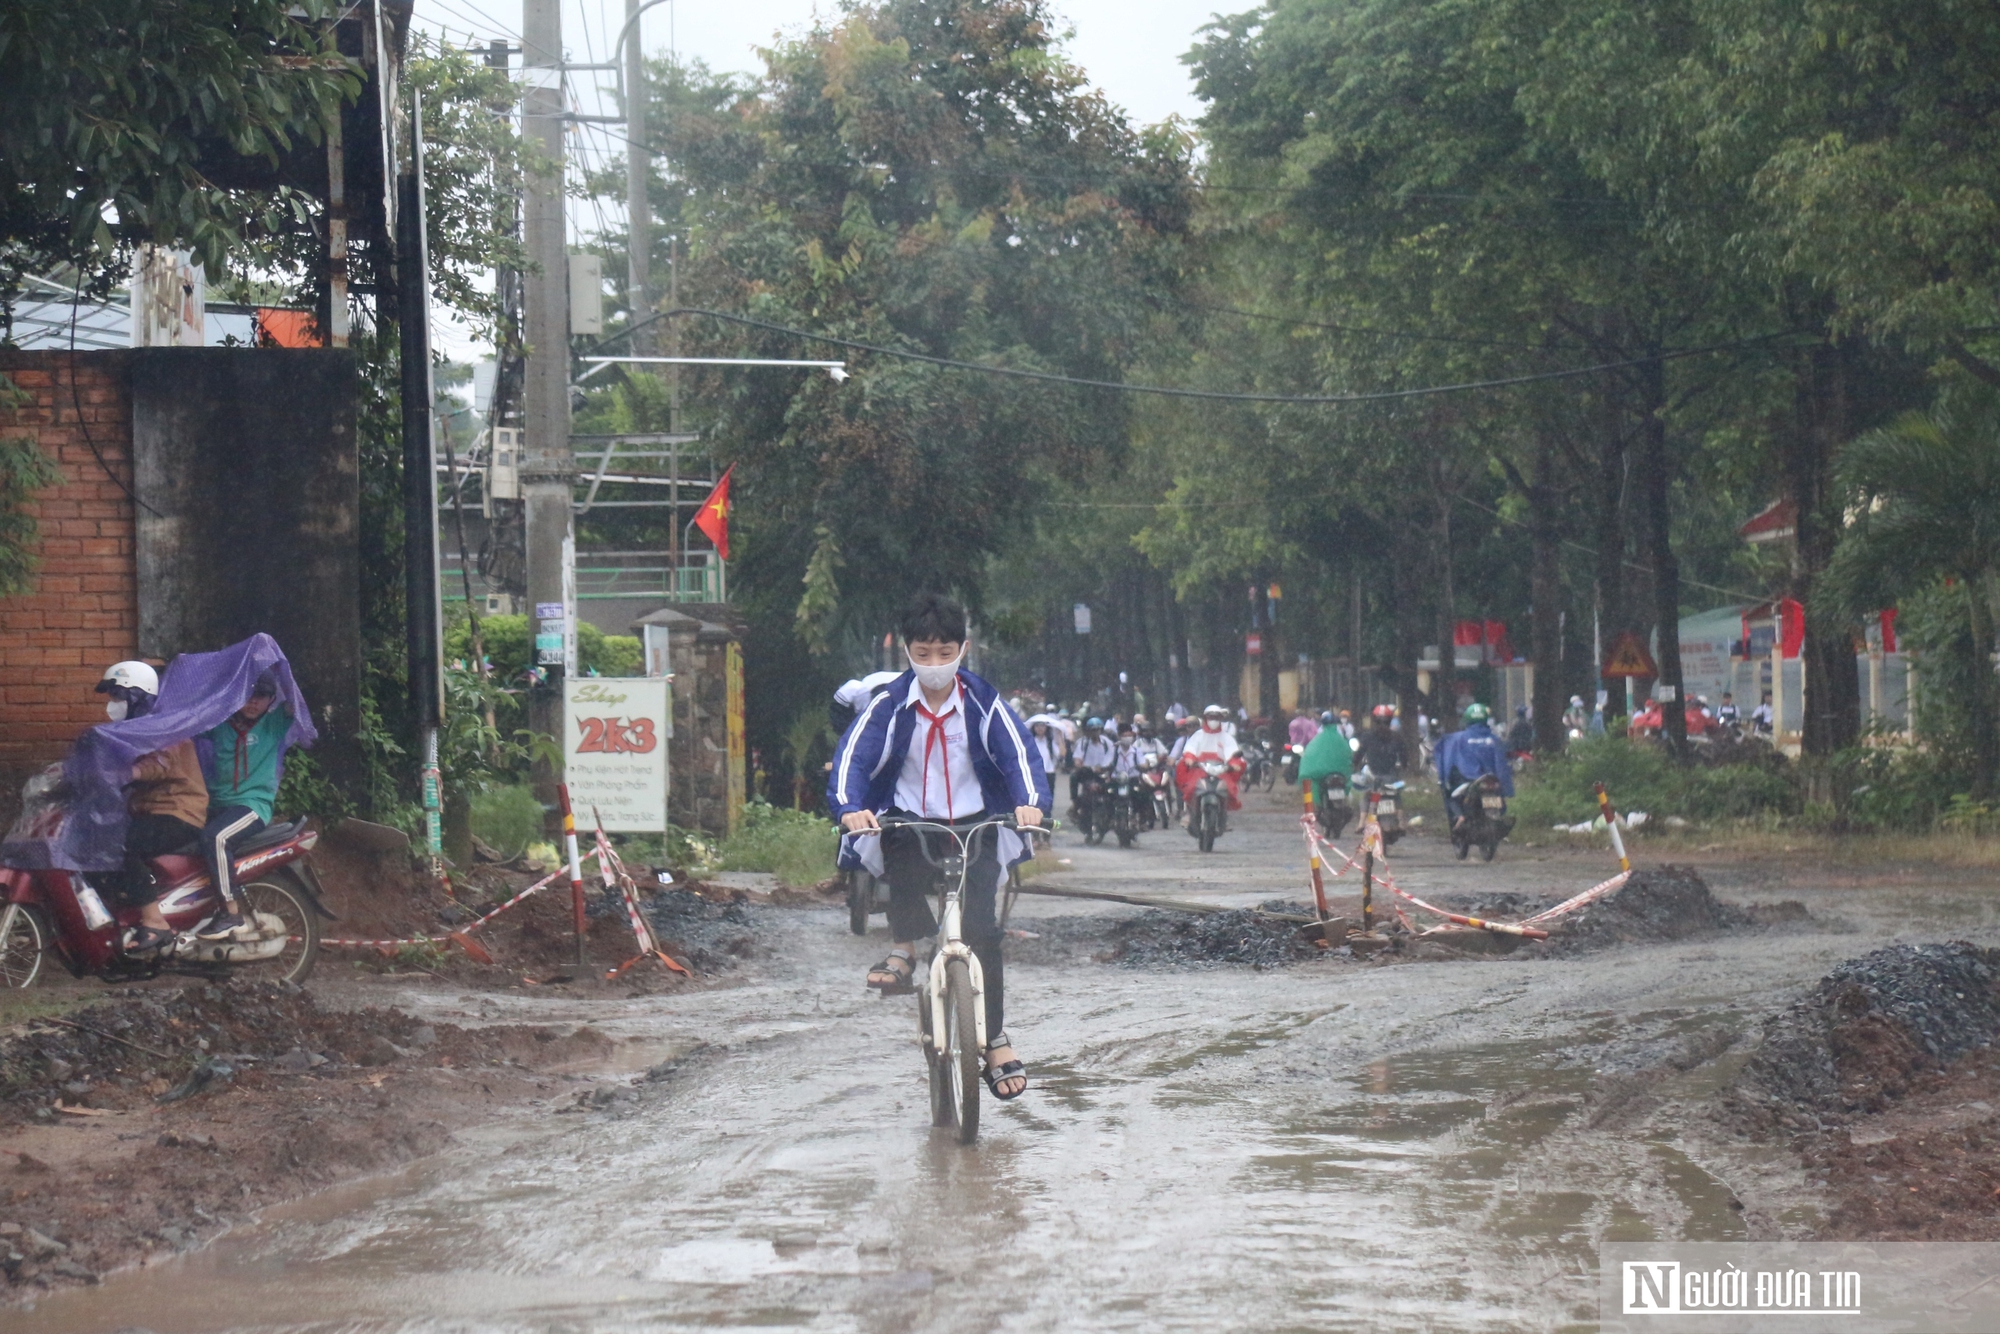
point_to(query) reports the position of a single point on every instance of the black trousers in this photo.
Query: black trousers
(912, 878)
(148, 836)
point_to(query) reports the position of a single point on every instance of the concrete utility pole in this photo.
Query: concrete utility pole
(638, 213)
(547, 468)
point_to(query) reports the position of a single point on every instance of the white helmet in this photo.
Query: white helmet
(131, 675)
(1215, 711)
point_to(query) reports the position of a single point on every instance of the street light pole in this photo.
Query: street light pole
(547, 469)
(638, 214)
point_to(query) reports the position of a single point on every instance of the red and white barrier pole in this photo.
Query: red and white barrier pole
(575, 867)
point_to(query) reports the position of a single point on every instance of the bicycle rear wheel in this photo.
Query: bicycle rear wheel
(962, 1056)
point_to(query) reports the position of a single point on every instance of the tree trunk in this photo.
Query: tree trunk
(1654, 488)
(1980, 707)
(1821, 423)
(1444, 685)
(1545, 615)
(1612, 615)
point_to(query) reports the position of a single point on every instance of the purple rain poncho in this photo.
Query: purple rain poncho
(197, 693)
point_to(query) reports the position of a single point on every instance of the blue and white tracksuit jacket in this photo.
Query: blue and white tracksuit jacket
(870, 757)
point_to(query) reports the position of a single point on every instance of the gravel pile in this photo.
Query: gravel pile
(1156, 939)
(1658, 903)
(1870, 1029)
(711, 936)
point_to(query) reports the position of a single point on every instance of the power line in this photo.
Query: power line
(1370, 333)
(1214, 395)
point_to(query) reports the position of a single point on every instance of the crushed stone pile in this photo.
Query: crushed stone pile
(1870, 1030)
(711, 936)
(1157, 939)
(1658, 903)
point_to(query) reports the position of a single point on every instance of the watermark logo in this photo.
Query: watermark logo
(1794, 1287)
(1668, 1287)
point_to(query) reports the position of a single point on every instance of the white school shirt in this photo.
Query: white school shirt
(1049, 747)
(1097, 754)
(938, 781)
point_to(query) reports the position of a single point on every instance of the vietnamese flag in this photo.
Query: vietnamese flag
(714, 517)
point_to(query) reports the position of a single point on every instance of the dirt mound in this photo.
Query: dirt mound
(148, 1123)
(1658, 903)
(1870, 1029)
(151, 1046)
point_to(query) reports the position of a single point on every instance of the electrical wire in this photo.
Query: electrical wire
(76, 397)
(1212, 395)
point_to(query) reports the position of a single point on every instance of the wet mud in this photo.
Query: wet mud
(1209, 1141)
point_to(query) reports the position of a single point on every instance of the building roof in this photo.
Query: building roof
(1775, 522)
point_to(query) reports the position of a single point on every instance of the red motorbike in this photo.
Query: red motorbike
(61, 913)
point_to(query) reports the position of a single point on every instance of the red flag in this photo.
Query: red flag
(714, 517)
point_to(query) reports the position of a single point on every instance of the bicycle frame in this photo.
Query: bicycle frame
(954, 866)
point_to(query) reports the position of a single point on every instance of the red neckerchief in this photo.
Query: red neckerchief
(239, 764)
(936, 733)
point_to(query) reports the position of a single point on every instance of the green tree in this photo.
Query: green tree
(119, 117)
(1925, 497)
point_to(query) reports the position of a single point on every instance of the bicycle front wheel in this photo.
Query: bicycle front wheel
(961, 1048)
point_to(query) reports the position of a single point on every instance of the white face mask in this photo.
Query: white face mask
(1210, 725)
(939, 677)
(116, 710)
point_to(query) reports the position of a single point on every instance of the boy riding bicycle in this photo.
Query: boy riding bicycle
(939, 744)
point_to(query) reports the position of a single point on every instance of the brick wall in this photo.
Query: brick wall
(83, 613)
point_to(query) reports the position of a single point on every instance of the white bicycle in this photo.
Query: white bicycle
(951, 1001)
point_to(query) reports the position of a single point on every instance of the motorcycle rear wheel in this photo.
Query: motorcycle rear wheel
(860, 889)
(1488, 848)
(281, 895)
(24, 943)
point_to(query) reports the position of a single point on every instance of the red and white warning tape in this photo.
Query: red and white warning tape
(1371, 839)
(458, 936)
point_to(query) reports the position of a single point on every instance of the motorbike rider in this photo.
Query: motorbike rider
(1381, 748)
(1047, 741)
(1468, 753)
(1094, 753)
(1521, 736)
(1302, 729)
(1762, 718)
(1328, 753)
(168, 801)
(945, 748)
(1727, 713)
(1212, 742)
(247, 753)
(848, 700)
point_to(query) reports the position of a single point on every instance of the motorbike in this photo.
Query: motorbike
(1258, 769)
(1157, 792)
(1288, 764)
(1332, 810)
(1092, 815)
(63, 914)
(1485, 821)
(1125, 795)
(1208, 818)
(866, 896)
(1385, 798)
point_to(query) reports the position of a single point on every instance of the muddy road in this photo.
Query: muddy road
(1335, 1145)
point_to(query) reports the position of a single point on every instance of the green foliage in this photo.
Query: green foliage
(798, 848)
(306, 790)
(118, 117)
(1643, 778)
(510, 647)
(507, 817)
(24, 470)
